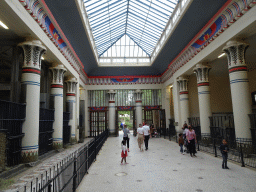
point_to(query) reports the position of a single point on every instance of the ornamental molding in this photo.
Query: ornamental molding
(229, 16)
(127, 81)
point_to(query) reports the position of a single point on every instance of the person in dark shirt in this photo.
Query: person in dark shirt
(224, 151)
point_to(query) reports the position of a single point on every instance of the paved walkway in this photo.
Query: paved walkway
(163, 168)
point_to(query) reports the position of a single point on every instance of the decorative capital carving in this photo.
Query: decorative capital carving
(112, 94)
(183, 84)
(235, 51)
(33, 50)
(138, 95)
(202, 73)
(58, 75)
(71, 87)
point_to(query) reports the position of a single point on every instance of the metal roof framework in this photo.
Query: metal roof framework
(143, 21)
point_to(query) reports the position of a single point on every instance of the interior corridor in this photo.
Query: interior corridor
(163, 168)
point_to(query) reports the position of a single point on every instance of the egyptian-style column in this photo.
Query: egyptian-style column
(112, 110)
(30, 94)
(57, 104)
(202, 74)
(239, 85)
(138, 105)
(71, 106)
(184, 105)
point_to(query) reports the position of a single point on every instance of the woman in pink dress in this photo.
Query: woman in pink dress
(191, 138)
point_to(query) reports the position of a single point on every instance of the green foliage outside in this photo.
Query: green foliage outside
(125, 119)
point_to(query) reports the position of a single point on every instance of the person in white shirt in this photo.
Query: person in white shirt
(146, 134)
(140, 132)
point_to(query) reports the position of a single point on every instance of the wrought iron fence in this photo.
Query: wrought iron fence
(241, 150)
(66, 128)
(67, 176)
(46, 119)
(12, 115)
(253, 127)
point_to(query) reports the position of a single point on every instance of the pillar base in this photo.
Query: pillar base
(57, 145)
(73, 140)
(113, 134)
(29, 157)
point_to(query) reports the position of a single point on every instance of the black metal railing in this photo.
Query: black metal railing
(253, 127)
(241, 150)
(46, 119)
(69, 174)
(66, 128)
(12, 115)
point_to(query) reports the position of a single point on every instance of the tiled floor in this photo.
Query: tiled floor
(163, 168)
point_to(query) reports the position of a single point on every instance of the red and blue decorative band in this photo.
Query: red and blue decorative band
(203, 84)
(139, 101)
(152, 107)
(235, 69)
(70, 94)
(98, 108)
(31, 70)
(125, 108)
(183, 92)
(111, 101)
(56, 86)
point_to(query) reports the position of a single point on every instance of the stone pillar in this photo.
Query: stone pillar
(30, 89)
(71, 107)
(184, 104)
(138, 105)
(202, 74)
(239, 85)
(112, 110)
(56, 103)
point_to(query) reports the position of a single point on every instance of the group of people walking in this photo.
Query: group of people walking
(187, 139)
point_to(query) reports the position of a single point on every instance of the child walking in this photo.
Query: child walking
(124, 152)
(224, 151)
(181, 143)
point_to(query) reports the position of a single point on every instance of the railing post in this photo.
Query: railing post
(242, 155)
(74, 174)
(214, 146)
(198, 146)
(49, 187)
(95, 148)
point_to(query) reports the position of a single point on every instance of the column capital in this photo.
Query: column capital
(33, 50)
(138, 95)
(112, 94)
(57, 76)
(202, 74)
(71, 87)
(183, 82)
(235, 51)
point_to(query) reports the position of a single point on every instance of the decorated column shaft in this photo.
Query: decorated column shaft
(138, 101)
(184, 102)
(71, 106)
(239, 85)
(57, 104)
(30, 88)
(202, 74)
(112, 110)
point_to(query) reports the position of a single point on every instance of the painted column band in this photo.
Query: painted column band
(111, 101)
(31, 70)
(236, 69)
(183, 92)
(203, 84)
(139, 101)
(56, 86)
(70, 94)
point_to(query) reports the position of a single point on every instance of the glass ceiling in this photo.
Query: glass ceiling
(127, 28)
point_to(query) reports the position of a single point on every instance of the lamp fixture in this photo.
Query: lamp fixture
(3, 25)
(221, 55)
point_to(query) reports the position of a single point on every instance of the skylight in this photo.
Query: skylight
(128, 30)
